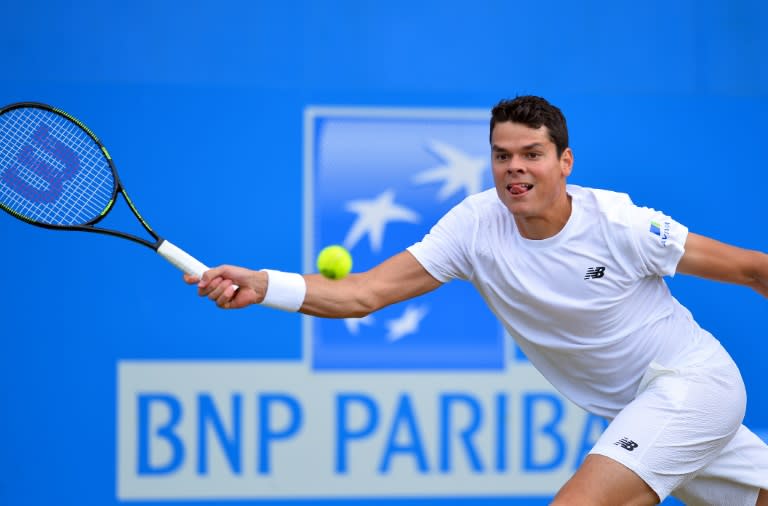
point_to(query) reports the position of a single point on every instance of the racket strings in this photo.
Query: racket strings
(51, 170)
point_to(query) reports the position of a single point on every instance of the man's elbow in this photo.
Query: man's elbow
(365, 305)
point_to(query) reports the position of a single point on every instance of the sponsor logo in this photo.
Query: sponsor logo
(627, 444)
(595, 272)
(661, 230)
(418, 165)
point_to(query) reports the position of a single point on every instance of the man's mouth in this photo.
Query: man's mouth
(519, 188)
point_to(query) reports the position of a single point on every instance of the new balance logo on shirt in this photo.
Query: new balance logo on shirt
(595, 272)
(626, 443)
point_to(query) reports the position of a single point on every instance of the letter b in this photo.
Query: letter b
(150, 432)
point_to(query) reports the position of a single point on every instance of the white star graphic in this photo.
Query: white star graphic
(460, 170)
(408, 323)
(373, 216)
(353, 324)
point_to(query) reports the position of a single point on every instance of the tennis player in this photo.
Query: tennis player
(576, 276)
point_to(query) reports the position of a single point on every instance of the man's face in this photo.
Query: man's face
(528, 174)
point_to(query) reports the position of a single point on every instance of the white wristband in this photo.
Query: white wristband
(285, 290)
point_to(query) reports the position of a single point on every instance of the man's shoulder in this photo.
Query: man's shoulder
(600, 195)
(611, 203)
(483, 197)
(482, 203)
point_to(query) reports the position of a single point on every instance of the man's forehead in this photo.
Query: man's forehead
(510, 135)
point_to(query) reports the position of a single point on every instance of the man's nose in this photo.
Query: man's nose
(515, 164)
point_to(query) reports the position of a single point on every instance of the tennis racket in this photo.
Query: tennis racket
(55, 173)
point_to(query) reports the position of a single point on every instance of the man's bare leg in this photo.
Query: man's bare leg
(603, 481)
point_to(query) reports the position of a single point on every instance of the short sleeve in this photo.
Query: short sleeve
(647, 241)
(444, 251)
(659, 239)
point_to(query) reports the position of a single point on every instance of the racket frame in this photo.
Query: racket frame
(118, 188)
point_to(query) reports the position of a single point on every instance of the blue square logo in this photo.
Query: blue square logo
(376, 180)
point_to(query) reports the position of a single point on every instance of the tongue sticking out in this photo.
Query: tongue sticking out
(519, 189)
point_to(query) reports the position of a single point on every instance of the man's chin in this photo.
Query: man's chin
(519, 209)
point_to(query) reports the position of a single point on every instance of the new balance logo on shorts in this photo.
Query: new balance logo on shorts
(595, 272)
(626, 443)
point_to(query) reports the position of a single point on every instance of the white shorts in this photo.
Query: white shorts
(683, 435)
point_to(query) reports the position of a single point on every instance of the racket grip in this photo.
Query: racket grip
(181, 259)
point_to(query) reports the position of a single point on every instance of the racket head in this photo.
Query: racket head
(54, 172)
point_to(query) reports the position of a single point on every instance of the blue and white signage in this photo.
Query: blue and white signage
(377, 180)
(427, 398)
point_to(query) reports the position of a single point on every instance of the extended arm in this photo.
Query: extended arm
(711, 259)
(399, 278)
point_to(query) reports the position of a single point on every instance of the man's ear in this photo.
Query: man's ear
(566, 162)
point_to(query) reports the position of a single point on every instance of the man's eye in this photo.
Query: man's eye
(502, 156)
(533, 156)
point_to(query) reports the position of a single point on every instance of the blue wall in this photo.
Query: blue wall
(201, 105)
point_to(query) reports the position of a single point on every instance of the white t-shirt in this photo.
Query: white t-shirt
(588, 306)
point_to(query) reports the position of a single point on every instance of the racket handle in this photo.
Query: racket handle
(181, 259)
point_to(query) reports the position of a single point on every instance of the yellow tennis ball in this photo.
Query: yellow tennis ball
(334, 262)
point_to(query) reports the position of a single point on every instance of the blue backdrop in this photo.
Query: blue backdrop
(202, 103)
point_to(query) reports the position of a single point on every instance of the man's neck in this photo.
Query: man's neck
(546, 225)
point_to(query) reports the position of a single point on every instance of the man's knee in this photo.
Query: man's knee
(603, 481)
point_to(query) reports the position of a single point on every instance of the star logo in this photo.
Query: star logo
(373, 216)
(460, 171)
(378, 179)
(408, 323)
(353, 324)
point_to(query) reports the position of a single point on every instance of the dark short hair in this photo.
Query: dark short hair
(533, 112)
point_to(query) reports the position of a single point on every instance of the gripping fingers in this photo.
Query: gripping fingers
(190, 279)
(205, 287)
(216, 288)
(228, 293)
